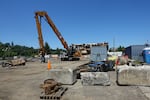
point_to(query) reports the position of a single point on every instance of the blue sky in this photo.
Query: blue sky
(79, 21)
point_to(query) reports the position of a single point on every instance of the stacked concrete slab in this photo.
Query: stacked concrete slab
(133, 75)
(64, 76)
(95, 78)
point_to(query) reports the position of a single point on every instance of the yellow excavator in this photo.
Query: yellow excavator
(72, 53)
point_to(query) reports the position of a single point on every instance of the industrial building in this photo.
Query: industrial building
(135, 52)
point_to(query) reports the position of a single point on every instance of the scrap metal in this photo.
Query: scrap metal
(52, 90)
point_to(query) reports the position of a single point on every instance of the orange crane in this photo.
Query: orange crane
(72, 54)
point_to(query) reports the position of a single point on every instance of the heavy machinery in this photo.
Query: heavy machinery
(71, 55)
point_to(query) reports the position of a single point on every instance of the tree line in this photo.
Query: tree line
(10, 50)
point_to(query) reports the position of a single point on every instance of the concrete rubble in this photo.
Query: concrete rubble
(64, 76)
(95, 78)
(133, 75)
(18, 61)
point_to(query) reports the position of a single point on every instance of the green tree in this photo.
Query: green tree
(58, 51)
(7, 50)
(47, 48)
(7, 44)
(120, 48)
(12, 43)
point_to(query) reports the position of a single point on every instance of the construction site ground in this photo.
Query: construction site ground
(23, 83)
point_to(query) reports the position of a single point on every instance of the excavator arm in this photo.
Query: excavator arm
(41, 14)
(71, 52)
(40, 37)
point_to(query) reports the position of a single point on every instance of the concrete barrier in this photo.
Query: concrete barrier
(129, 75)
(64, 76)
(95, 78)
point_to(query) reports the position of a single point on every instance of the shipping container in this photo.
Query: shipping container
(135, 52)
(98, 53)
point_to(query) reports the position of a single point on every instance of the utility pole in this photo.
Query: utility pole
(114, 44)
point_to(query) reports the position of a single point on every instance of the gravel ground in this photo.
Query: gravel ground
(22, 83)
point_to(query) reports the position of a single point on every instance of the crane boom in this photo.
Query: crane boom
(40, 37)
(71, 51)
(52, 25)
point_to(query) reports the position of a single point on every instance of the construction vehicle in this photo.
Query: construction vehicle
(71, 55)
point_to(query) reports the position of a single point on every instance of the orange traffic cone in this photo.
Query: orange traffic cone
(49, 65)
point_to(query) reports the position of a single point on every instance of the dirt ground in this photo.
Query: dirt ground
(23, 83)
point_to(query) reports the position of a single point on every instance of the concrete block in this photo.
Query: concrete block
(95, 78)
(130, 75)
(64, 76)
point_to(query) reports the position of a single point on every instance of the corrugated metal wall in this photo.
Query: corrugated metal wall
(135, 52)
(128, 51)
